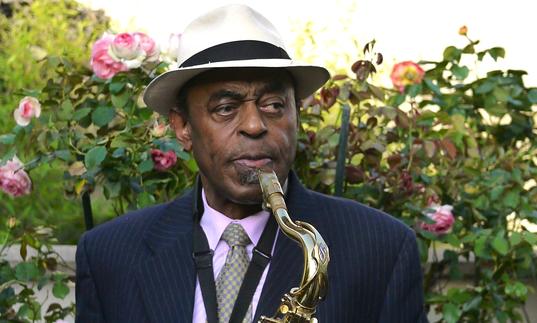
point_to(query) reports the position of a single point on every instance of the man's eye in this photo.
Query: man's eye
(225, 110)
(272, 107)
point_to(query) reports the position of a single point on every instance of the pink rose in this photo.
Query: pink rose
(126, 46)
(406, 73)
(148, 45)
(28, 108)
(103, 65)
(443, 218)
(163, 160)
(13, 179)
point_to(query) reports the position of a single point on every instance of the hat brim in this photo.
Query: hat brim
(161, 94)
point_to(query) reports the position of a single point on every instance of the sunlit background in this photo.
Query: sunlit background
(404, 30)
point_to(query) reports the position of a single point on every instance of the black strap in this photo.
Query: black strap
(236, 51)
(203, 258)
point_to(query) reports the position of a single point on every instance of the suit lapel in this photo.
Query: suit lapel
(287, 263)
(167, 278)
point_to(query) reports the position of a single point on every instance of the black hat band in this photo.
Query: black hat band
(236, 51)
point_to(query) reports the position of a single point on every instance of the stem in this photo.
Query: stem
(410, 137)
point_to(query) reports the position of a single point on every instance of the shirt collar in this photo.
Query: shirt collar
(214, 223)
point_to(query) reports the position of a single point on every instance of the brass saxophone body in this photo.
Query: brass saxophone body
(299, 305)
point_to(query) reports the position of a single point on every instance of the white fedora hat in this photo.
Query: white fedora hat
(229, 37)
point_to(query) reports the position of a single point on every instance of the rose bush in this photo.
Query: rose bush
(93, 123)
(439, 137)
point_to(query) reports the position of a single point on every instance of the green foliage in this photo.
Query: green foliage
(20, 283)
(32, 33)
(25, 38)
(452, 139)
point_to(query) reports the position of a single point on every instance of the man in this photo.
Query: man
(232, 103)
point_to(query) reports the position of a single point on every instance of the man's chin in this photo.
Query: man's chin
(248, 194)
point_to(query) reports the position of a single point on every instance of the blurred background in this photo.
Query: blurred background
(404, 30)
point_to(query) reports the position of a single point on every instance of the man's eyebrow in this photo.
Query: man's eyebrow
(270, 87)
(226, 94)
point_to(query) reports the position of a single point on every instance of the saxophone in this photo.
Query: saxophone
(297, 306)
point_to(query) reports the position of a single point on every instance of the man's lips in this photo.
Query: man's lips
(253, 162)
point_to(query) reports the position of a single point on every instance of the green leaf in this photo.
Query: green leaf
(116, 87)
(460, 72)
(481, 202)
(60, 290)
(451, 313)
(517, 289)
(515, 238)
(473, 304)
(414, 90)
(183, 155)
(496, 52)
(485, 87)
(63, 154)
(531, 238)
(120, 100)
(7, 139)
(500, 244)
(8, 156)
(4, 235)
(376, 91)
(433, 87)
(511, 199)
(81, 113)
(495, 192)
(480, 247)
(145, 166)
(102, 116)
(119, 152)
(67, 105)
(94, 157)
(532, 96)
(112, 189)
(26, 271)
(452, 53)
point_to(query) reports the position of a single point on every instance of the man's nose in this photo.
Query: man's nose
(252, 124)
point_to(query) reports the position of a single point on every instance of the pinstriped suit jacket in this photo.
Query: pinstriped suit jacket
(139, 267)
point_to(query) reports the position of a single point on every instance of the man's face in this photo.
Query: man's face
(241, 120)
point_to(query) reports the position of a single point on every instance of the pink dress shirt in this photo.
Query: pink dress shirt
(213, 224)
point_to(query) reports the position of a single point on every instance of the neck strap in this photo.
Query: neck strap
(203, 258)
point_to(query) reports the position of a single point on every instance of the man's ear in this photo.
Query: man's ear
(181, 127)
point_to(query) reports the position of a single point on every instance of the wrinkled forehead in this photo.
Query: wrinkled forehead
(249, 79)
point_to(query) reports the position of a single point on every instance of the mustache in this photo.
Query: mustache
(248, 176)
